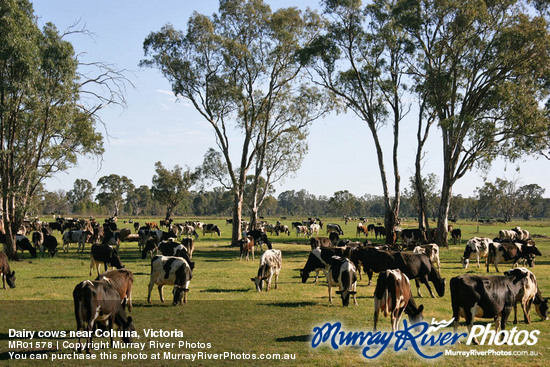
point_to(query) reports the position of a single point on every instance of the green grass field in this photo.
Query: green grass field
(225, 310)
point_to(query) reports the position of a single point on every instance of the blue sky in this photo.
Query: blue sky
(156, 127)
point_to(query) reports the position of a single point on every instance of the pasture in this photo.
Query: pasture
(225, 310)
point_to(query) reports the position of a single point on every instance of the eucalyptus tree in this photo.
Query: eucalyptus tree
(171, 187)
(361, 59)
(81, 194)
(48, 108)
(482, 68)
(112, 189)
(237, 68)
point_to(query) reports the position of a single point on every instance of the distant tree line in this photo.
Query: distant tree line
(501, 199)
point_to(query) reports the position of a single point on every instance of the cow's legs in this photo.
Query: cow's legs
(4, 280)
(469, 314)
(160, 293)
(376, 311)
(151, 284)
(91, 265)
(418, 288)
(516, 312)
(526, 306)
(369, 273)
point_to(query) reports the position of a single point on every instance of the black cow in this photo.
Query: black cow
(111, 237)
(485, 296)
(24, 244)
(45, 241)
(260, 238)
(379, 231)
(415, 235)
(104, 254)
(56, 226)
(99, 302)
(414, 266)
(136, 226)
(5, 271)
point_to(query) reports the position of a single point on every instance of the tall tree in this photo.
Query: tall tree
(482, 68)
(81, 194)
(44, 121)
(362, 60)
(171, 187)
(237, 68)
(112, 189)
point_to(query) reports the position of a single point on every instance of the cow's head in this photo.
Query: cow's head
(127, 326)
(440, 287)
(542, 309)
(304, 274)
(345, 294)
(180, 295)
(416, 316)
(259, 281)
(115, 260)
(10, 279)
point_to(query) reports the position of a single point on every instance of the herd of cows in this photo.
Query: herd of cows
(102, 303)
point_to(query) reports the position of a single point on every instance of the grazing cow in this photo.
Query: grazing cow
(521, 234)
(104, 254)
(189, 230)
(302, 231)
(488, 296)
(511, 252)
(56, 226)
(111, 238)
(379, 231)
(342, 273)
(332, 227)
(270, 265)
(507, 235)
(529, 294)
(431, 250)
(80, 237)
(170, 270)
(456, 236)
(171, 248)
(361, 229)
(314, 263)
(150, 247)
(136, 226)
(99, 302)
(411, 235)
(5, 271)
(260, 238)
(122, 281)
(296, 224)
(370, 228)
(478, 246)
(152, 225)
(393, 295)
(316, 242)
(228, 221)
(281, 228)
(210, 228)
(38, 240)
(24, 244)
(166, 223)
(415, 266)
(246, 245)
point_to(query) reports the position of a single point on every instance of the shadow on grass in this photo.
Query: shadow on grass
(59, 277)
(294, 338)
(25, 354)
(291, 304)
(219, 290)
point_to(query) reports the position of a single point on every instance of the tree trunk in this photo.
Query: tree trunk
(237, 215)
(9, 219)
(443, 213)
(390, 221)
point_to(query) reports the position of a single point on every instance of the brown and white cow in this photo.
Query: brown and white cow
(511, 252)
(5, 271)
(393, 296)
(247, 245)
(99, 302)
(122, 281)
(530, 294)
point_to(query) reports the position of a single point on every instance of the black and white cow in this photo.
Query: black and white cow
(478, 246)
(342, 273)
(333, 227)
(393, 295)
(104, 254)
(170, 270)
(80, 237)
(260, 238)
(530, 294)
(270, 265)
(431, 250)
(99, 302)
(211, 228)
(314, 263)
(511, 252)
(172, 248)
(5, 272)
(487, 296)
